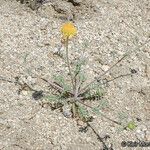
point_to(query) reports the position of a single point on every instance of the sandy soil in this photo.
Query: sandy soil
(28, 41)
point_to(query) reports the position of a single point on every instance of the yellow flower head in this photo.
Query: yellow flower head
(68, 30)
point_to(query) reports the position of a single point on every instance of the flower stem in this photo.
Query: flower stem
(68, 64)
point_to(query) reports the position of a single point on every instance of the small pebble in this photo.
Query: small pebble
(140, 132)
(105, 67)
(67, 112)
(37, 95)
(133, 71)
(24, 92)
(80, 123)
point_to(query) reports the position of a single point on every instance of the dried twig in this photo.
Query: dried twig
(105, 147)
(124, 75)
(84, 89)
(23, 86)
(57, 86)
(7, 80)
(116, 122)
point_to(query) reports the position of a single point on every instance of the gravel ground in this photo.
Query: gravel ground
(28, 41)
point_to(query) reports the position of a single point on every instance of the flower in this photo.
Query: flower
(68, 30)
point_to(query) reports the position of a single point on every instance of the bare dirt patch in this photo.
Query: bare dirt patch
(28, 41)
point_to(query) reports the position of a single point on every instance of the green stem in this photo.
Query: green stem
(68, 64)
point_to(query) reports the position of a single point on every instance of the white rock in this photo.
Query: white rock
(105, 67)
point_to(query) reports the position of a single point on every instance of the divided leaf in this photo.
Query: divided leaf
(83, 113)
(60, 80)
